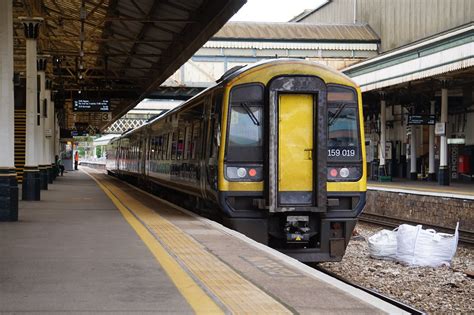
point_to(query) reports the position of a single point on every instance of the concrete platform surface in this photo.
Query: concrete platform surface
(73, 252)
(121, 250)
(458, 190)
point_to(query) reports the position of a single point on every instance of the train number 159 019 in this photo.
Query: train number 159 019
(342, 152)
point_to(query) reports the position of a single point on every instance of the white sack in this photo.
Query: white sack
(383, 245)
(418, 247)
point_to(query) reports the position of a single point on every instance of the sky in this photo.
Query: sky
(273, 10)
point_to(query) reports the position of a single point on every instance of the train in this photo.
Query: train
(273, 150)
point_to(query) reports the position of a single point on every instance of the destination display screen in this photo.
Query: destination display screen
(91, 105)
(421, 119)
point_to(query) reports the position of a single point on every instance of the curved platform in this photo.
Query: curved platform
(119, 249)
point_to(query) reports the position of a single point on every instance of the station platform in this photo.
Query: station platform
(94, 244)
(458, 190)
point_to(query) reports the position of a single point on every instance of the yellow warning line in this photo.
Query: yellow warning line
(200, 302)
(238, 294)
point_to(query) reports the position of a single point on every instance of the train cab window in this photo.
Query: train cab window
(343, 124)
(215, 121)
(245, 136)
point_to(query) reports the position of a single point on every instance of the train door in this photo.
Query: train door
(297, 145)
(295, 149)
(210, 152)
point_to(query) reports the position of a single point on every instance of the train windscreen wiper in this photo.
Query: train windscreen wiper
(250, 114)
(336, 114)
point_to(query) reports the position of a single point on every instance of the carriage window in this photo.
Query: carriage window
(158, 148)
(180, 149)
(245, 137)
(174, 145)
(187, 141)
(343, 124)
(194, 148)
(164, 150)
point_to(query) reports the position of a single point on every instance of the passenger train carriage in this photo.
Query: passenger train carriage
(274, 149)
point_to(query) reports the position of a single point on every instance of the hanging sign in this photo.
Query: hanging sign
(91, 105)
(421, 119)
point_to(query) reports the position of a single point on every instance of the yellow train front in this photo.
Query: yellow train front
(276, 148)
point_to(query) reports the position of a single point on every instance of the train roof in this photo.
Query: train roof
(235, 72)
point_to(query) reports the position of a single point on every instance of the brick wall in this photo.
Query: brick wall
(432, 210)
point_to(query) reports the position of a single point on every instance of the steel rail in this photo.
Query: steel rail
(401, 305)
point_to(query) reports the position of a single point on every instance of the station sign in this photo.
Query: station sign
(440, 129)
(91, 105)
(421, 119)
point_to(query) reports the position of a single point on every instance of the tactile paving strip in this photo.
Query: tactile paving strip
(235, 292)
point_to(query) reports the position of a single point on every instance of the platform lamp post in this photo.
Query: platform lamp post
(41, 64)
(8, 182)
(31, 189)
(443, 173)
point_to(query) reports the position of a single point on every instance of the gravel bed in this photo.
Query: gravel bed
(433, 290)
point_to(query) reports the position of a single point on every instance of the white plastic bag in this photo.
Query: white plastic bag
(418, 247)
(383, 244)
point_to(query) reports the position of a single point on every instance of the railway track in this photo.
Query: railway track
(403, 306)
(466, 237)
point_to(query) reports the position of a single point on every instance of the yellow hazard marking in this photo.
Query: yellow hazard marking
(298, 238)
(199, 301)
(238, 294)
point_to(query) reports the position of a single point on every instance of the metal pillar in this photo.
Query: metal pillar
(413, 172)
(443, 174)
(31, 176)
(48, 132)
(383, 131)
(8, 182)
(431, 161)
(40, 139)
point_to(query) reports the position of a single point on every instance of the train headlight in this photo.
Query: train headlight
(241, 172)
(344, 172)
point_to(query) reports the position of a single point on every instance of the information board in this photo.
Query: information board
(91, 105)
(421, 119)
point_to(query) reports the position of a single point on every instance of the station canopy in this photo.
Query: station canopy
(119, 50)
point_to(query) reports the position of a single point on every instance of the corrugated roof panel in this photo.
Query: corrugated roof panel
(297, 31)
(290, 45)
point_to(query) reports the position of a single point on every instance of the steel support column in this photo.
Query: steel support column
(443, 173)
(8, 182)
(40, 126)
(431, 152)
(383, 132)
(413, 172)
(48, 132)
(31, 189)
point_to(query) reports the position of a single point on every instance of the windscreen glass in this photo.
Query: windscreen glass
(343, 124)
(245, 137)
